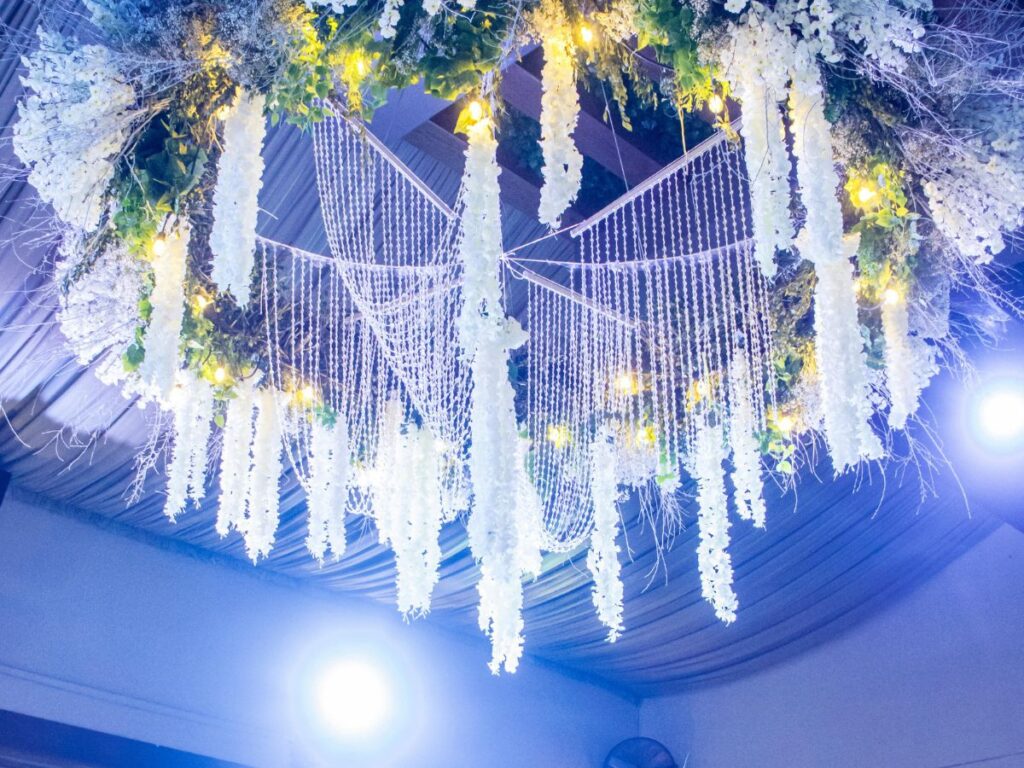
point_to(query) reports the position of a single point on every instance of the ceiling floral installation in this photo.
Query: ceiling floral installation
(789, 281)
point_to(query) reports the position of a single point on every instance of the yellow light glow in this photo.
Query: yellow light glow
(159, 246)
(891, 296)
(866, 193)
(627, 383)
(586, 34)
(360, 67)
(220, 374)
(716, 104)
(646, 436)
(201, 302)
(307, 393)
(785, 423)
(559, 435)
(476, 110)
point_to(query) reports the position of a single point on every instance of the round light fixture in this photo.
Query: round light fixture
(353, 698)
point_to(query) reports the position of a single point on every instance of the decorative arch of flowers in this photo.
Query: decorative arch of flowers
(881, 154)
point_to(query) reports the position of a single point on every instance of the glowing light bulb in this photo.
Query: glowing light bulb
(891, 296)
(476, 110)
(559, 435)
(716, 104)
(307, 393)
(220, 374)
(627, 383)
(1000, 415)
(201, 302)
(360, 67)
(866, 193)
(586, 34)
(159, 246)
(353, 697)
(785, 423)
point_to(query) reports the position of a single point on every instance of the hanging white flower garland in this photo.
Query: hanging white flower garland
(235, 198)
(389, 18)
(838, 344)
(559, 113)
(746, 452)
(603, 556)
(909, 361)
(486, 336)
(758, 75)
(236, 458)
(328, 488)
(163, 334)
(263, 492)
(191, 402)
(713, 558)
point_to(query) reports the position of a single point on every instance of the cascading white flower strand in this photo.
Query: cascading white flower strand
(603, 556)
(389, 18)
(408, 511)
(235, 198)
(327, 496)
(192, 404)
(838, 344)
(236, 458)
(263, 493)
(758, 75)
(559, 113)
(486, 336)
(713, 560)
(163, 334)
(909, 360)
(746, 453)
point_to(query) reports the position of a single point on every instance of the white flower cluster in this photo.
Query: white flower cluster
(389, 18)
(909, 363)
(235, 458)
(192, 405)
(336, 6)
(713, 560)
(603, 557)
(163, 334)
(529, 517)
(975, 191)
(328, 488)
(887, 32)
(746, 453)
(559, 113)
(838, 344)
(758, 72)
(262, 500)
(407, 508)
(235, 198)
(72, 127)
(100, 312)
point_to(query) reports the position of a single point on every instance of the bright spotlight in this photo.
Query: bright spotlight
(353, 697)
(999, 415)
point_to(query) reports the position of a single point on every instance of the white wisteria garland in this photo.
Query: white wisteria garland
(191, 403)
(327, 498)
(559, 113)
(909, 360)
(262, 500)
(746, 453)
(235, 198)
(163, 333)
(713, 559)
(603, 555)
(236, 458)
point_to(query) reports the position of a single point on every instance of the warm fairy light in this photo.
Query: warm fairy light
(159, 246)
(220, 374)
(307, 393)
(476, 110)
(201, 301)
(559, 435)
(785, 423)
(891, 296)
(627, 383)
(586, 34)
(866, 193)
(646, 436)
(716, 104)
(360, 67)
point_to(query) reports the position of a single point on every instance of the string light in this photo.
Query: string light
(220, 374)
(586, 34)
(476, 110)
(559, 435)
(361, 67)
(891, 296)
(627, 383)
(716, 104)
(159, 246)
(785, 423)
(201, 302)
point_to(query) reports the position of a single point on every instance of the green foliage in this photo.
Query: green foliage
(464, 47)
